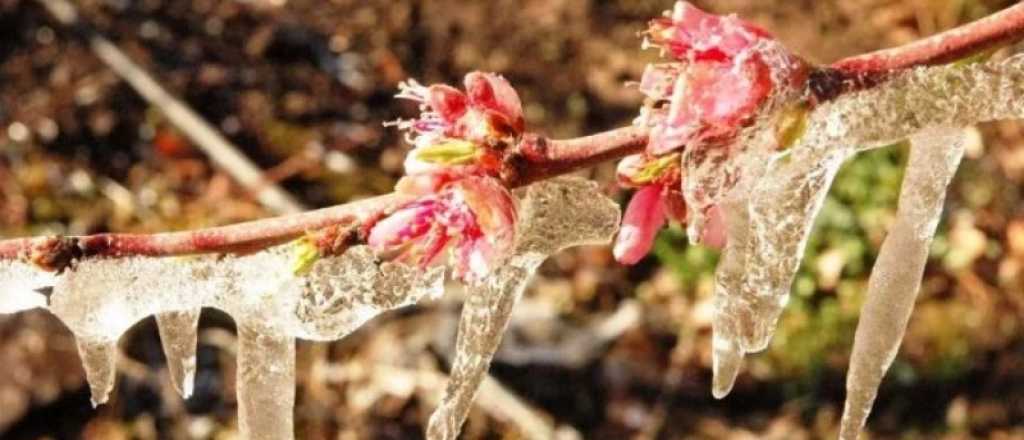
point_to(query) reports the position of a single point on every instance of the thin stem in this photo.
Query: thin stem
(867, 70)
(535, 159)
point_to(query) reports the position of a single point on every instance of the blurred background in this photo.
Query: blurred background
(595, 350)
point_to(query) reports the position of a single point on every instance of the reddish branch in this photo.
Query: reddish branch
(867, 70)
(535, 158)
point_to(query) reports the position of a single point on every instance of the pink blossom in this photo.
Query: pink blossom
(474, 217)
(644, 216)
(462, 131)
(694, 35)
(718, 82)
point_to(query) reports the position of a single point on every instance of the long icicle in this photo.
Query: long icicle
(485, 315)
(896, 278)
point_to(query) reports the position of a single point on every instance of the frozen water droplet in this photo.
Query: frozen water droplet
(178, 332)
(99, 358)
(553, 215)
(896, 277)
(265, 383)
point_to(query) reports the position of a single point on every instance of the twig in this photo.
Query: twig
(867, 70)
(525, 164)
(535, 158)
(225, 155)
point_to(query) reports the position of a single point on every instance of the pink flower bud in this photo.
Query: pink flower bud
(725, 71)
(644, 216)
(460, 133)
(693, 35)
(492, 92)
(449, 103)
(475, 217)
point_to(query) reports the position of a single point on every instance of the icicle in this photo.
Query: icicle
(896, 277)
(767, 235)
(265, 383)
(782, 211)
(178, 331)
(485, 314)
(553, 216)
(727, 355)
(99, 358)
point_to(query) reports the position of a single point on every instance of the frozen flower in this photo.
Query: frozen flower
(658, 199)
(644, 216)
(473, 218)
(723, 72)
(462, 132)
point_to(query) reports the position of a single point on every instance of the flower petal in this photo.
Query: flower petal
(714, 234)
(449, 103)
(492, 92)
(644, 216)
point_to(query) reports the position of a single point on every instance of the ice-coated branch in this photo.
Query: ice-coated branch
(861, 71)
(896, 277)
(537, 158)
(953, 95)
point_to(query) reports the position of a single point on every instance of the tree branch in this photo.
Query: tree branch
(867, 70)
(537, 158)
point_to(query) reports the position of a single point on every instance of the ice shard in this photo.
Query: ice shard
(896, 278)
(553, 215)
(265, 383)
(767, 234)
(99, 359)
(178, 334)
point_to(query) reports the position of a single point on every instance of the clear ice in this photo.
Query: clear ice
(178, 334)
(770, 200)
(767, 234)
(274, 302)
(567, 213)
(769, 211)
(896, 278)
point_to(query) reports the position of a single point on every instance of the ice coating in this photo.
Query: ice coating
(274, 301)
(23, 286)
(555, 215)
(896, 277)
(769, 220)
(178, 334)
(954, 95)
(265, 383)
(100, 298)
(712, 173)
